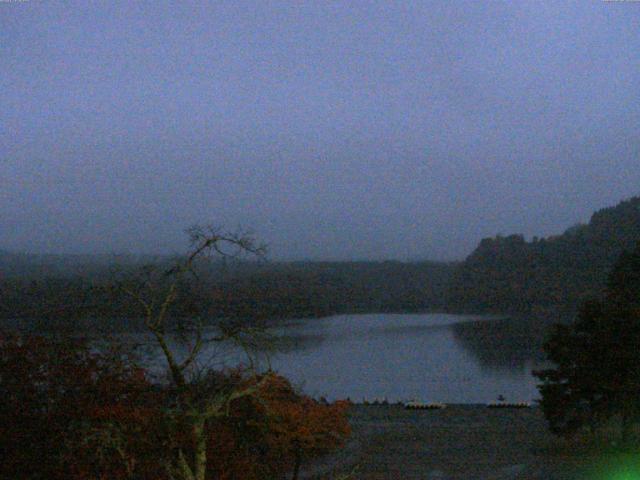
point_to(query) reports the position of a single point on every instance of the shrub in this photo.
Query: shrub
(67, 412)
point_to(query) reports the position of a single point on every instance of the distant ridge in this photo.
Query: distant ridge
(509, 274)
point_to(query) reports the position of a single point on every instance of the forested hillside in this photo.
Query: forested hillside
(64, 290)
(503, 275)
(509, 274)
(303, 289)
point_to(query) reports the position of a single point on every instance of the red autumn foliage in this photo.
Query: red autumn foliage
(57, 398)
(67, 412)
(267, 435)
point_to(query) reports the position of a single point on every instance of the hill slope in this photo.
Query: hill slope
(509, 274)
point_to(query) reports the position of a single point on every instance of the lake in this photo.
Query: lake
(429, 357)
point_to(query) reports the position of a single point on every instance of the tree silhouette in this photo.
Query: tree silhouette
(597, 360)
(155, 291)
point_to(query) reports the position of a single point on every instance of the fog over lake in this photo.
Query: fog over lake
(430, 357)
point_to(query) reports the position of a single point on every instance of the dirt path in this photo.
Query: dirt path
(456, 443)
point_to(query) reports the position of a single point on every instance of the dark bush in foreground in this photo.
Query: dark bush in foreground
(67, 412)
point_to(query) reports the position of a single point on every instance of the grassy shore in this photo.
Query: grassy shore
(465, 442)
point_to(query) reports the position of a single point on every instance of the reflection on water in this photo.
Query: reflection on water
(432, 357)
(503, 344)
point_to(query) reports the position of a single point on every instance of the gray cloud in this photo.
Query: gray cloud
(333, 131)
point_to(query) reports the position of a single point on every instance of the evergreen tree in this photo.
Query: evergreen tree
(597, 360)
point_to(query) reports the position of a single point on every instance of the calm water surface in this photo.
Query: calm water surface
(431, 357)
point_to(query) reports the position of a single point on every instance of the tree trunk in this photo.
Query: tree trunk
(296, 467)
(200, 453)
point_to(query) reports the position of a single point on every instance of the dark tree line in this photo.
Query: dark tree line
(503, 275)
(240, 290)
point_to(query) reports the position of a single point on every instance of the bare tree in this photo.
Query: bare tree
(156, 291)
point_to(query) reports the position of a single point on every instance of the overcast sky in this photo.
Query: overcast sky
(343, 130)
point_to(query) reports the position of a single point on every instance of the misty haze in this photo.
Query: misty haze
(319, 240)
